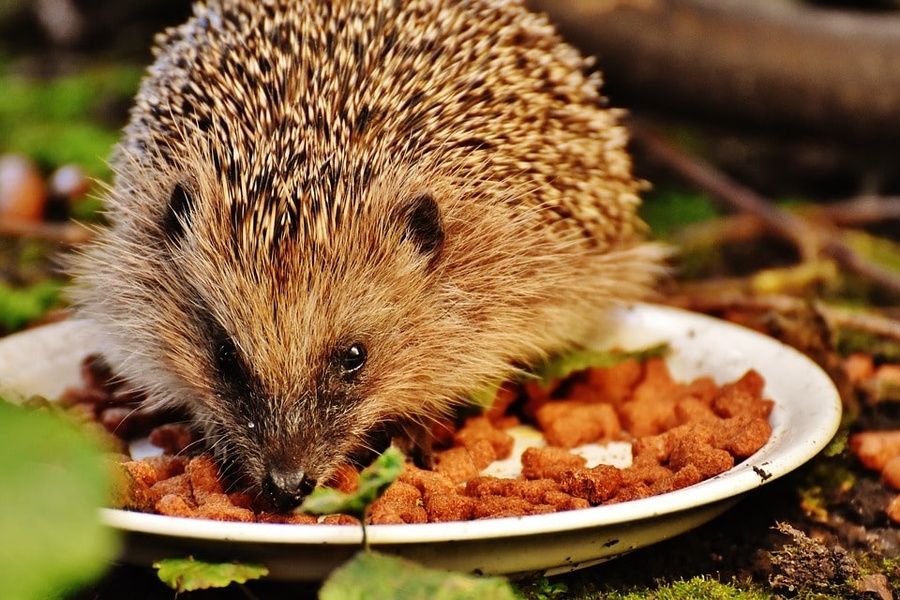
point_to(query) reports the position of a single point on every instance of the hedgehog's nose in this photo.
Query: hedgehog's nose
(288, 488)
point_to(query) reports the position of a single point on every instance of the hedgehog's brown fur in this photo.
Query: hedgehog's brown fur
(301, 130)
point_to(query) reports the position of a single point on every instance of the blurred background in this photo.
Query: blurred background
(798, 100)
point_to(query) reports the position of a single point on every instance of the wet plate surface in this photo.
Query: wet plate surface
(806, 415)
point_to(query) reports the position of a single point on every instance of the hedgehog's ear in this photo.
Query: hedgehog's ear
(423, 225)
(178, 210)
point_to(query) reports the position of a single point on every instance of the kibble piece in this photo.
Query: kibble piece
(615, 384)
(549, 463)
(204, 476)
(891, 473)
(449, 506)
(893, 509)
(859, 367)
(296, 518)
(427, 481)
(174, 505)
(401, 503)
(570, 423)
(596, 485)
(742, 435)
(218, 507)
(875, 448)
(493, 507)
(339, 520)
(648, 416)
(456, 464)
(482, 453)
(707, 459)
(179, 485)
(480, 428)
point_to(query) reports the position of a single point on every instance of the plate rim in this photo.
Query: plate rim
(755, 471)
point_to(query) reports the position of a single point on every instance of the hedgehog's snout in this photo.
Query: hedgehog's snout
(287, 487)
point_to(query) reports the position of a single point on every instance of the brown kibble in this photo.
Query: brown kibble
(657, 382)
(173, 438)
(150, 470)
(204, 476)
(456, 464)
(480, 428)
(532, 490)
(652, 449)
(631, 492)
(494, 507)
(707, 459)
(549, 463)
(751, 383)
(174, 505)
(449, 506)
(891, 473)
(736, 402)
(596, 485)
(859, 367)
(692, 408)
(688, 475)
(401, 503)
(893, 509)
(218, 507)
(297, 518)
(427, 481)
(179, 485)
(615, 384)
(702, 389)
(482, 453)
(875, 449)
(570, 423)
(648, 416)
(338, 520)
(742, 435)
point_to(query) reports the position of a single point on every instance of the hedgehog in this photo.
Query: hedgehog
(329, 219)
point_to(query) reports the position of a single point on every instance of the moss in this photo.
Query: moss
(691, 589)
(668, 210)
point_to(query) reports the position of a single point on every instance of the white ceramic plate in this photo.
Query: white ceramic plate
(806, 415)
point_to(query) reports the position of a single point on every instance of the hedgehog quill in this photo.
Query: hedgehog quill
(331, 218)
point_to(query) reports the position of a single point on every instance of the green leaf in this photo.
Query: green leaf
(20, 306)
(372, 575)
(373, 482)
(187, 574)
(564, 365)
(53, 480)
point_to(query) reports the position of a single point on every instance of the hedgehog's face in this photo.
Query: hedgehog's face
(303, 356)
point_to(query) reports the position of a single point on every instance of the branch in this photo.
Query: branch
(812, 241)
(70, 234)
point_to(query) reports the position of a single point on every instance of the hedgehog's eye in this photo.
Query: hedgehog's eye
(228, 363)
(351, 359)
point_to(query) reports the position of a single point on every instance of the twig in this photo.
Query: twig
(62, 233)
(874, 324)
(811, 241)
(717, 183)
(861, 210)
